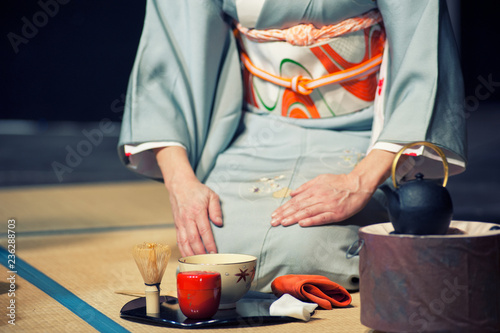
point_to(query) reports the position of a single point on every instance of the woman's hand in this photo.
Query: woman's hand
(325, 199)
(193, 203)
(333, 198)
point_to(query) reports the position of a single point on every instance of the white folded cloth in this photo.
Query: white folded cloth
(287, 305)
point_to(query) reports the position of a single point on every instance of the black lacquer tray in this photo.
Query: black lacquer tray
(248, 312)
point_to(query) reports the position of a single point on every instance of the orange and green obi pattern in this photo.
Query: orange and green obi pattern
(305, 72)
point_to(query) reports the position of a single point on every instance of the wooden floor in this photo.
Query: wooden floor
(73, 242)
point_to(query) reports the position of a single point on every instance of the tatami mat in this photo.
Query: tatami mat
(101, 205)
(81, 238)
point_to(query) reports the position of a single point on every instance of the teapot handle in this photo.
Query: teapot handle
(419, 143)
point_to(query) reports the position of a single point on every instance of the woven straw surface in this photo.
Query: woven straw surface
(94, 260)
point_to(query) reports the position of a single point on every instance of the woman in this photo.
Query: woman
(258, 116)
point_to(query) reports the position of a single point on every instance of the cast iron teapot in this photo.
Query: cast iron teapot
(420, 206)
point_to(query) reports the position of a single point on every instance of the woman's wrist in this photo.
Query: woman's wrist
(174, 165)
(374, 169)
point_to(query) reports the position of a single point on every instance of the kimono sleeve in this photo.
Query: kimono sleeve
(185, 85)
(423, 98)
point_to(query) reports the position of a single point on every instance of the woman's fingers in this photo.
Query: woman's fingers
(200, 236)
(195, 237)
(214, 210)
(304, 187)
(299, 195)
(300, 205)
(192, 209)
(304, 213)
(319, 219)
(299, 200)
(325, 199)
(207, 237)
(183, 242)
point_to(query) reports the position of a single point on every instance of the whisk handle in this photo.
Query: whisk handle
(152, 300)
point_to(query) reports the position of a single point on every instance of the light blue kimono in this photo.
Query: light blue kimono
(186, 88)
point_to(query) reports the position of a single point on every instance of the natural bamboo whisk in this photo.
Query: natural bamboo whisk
(152, 260)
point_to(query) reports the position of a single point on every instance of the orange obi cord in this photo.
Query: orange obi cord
(305, 86)
(308, 35)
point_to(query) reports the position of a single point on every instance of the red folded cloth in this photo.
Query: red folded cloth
(314, 288)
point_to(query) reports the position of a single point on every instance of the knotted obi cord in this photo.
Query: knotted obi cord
(307, 35)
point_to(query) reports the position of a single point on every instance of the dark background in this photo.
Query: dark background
(75, 66)
(72, 73)
(78, 63)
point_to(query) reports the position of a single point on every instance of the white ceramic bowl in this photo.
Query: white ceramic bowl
(236, 270)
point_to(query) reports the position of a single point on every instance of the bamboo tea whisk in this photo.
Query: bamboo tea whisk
(152, 260)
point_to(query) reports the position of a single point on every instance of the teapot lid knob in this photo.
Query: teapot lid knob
(419, 176)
